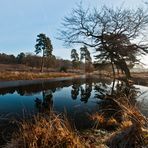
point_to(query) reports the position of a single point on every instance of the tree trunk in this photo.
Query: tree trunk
(42, 63)
(112, 92)
(113, 69)
(125, 69)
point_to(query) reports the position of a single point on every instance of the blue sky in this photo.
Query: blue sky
(22, 20)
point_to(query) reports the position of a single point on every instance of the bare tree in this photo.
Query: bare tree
(114, 33)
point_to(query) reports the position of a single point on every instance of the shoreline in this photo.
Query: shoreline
(14, 83)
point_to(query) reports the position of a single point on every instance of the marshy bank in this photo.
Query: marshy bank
(54, 130)
(97, 115)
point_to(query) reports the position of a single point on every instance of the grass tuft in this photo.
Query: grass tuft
(133, 129)
(44, 132)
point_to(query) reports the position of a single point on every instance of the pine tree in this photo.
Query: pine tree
(43, 45)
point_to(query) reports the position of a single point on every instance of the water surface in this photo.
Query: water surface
(78, 98)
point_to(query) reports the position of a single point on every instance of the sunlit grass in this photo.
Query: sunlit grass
(32, 75)
(44, 132)
(101, 121)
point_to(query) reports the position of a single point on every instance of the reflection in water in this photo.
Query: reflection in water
(83, 89)
(75, 90)
(85, 96)
(86, 92)
(35, 88)
(106, 92)
(80, 98)
(112, 97)
(45, 104)
(101, 89)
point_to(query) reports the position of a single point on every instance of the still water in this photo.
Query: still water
(78, 98)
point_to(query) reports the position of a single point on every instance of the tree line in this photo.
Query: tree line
(46, 59)
(34, 61)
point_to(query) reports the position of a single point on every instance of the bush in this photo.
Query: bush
(63, 69)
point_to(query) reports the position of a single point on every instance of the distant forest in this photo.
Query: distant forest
(33, 60)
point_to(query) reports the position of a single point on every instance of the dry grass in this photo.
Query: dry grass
(125, 124)
(99, 118)
(53, 131)
(101, 121)
(131, 132)
(32, 75)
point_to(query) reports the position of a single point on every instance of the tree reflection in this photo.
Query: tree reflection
(86, 92)
(45, 104)
(130, 91)
(111, 97)
(75, 91)
(31, 89)
(101, 89)
(116, 88)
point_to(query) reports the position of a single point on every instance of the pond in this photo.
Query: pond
(78, 98)
(74, 97)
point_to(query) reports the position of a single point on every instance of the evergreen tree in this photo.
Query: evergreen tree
(43, 45)
(75, 58)
(85, 55)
